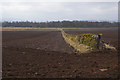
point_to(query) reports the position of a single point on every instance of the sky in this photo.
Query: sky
(42, 11)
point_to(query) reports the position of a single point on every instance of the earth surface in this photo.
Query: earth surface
(45, 54)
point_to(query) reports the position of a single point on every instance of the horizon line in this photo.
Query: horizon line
(63, 20)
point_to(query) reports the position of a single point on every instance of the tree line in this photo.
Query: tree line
(59, 24)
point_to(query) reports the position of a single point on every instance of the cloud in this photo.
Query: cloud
(50, 11)
(59, 1)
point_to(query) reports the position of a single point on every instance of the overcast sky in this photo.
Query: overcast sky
(54, 11)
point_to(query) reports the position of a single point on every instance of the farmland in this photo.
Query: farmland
(45, 54)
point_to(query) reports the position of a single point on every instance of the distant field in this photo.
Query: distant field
(25, 28)
(47, 29)
(31, 28)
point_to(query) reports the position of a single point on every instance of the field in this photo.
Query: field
(45, 54)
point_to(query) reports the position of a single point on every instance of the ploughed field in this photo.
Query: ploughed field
(45, 54)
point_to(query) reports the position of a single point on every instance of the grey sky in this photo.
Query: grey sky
(54, 11)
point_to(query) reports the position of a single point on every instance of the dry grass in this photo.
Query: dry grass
(34, 28)
(77, 46)
(110, 47)
(27, 28)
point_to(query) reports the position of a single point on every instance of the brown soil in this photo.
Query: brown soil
(44, 54)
